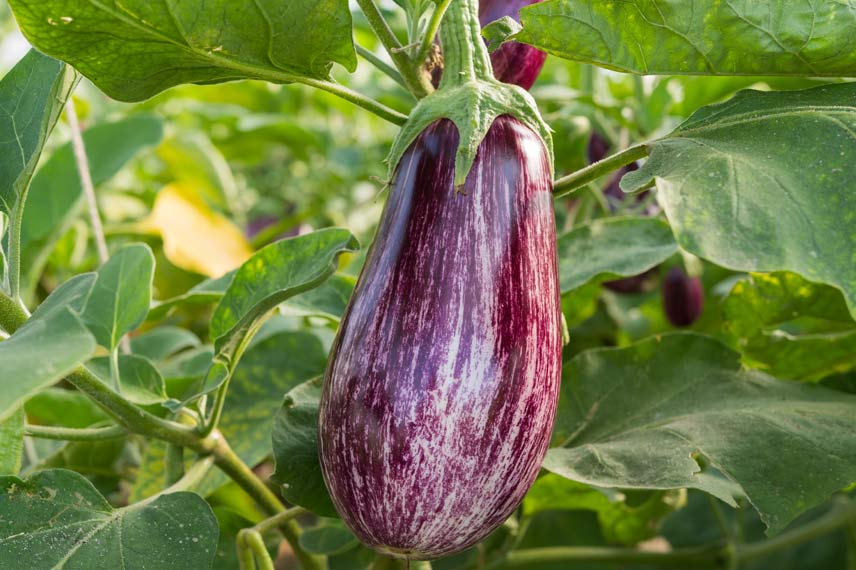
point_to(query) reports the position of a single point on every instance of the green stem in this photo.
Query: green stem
(232, 466)
(356, 98)
(279, 519)
(193, 476)
(255, 544)
(173, 463)
(838, 516)
(246, 561)
(114, 370)
(381, 65)
(75, 434)
(12, 314)
(567, 184)
(702, 557)
(431, 32)
(16, 220)
(418, 83)
(720, 518)
(465, 57)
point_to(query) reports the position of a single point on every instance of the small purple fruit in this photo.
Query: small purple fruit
(441, 388)
(683, 297)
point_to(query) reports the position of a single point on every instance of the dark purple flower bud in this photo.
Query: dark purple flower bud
(442, 384)
(635, 284)
(683, 297)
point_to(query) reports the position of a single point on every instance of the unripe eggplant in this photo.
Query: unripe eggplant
(515, 63)
(683, 297)
(441, 388)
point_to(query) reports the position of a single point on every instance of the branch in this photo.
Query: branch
(381, 65)
(356, 98)
(418, 83)
(12, 314)
(567, 184)
(431, 31)
(74, 434)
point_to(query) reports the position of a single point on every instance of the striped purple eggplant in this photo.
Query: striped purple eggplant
(515, 63)
(441, 388)
(683, 297)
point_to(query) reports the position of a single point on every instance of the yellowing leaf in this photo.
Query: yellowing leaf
(195, 237)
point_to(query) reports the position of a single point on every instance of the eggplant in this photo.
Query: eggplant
(515, 63)
(683, 297)
(441, 388)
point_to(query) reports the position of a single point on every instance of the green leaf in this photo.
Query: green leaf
(613, 247)
(328, 538)
(269, 369)
(274, 274)
(709, 37)
(136, 49)
(57, 519)
(56, 197)
(41, 352)
(140, 381)
(643, 417)
(790, 327)
(73, 294)
(32, 97)
(61, 407)
(209, 291)
(193, 161)
(12, 442)
(159, 343)
(295, 450)
(620, 521)
(763, 182)
(121, 296)
(329, 300)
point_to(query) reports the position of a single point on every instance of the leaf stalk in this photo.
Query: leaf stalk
(568, 184)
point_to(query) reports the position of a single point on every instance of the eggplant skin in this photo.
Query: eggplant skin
(683, 297)
(441, 388)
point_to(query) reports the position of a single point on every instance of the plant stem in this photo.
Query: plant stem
(232, 466)
(193, 476)
(83, 171)
(74, 434)
(279, 519)
(356, 98)
(838, 516)
(417, 82)
(114, 370)
(381, 65)
(567, 184)
(465, 57)
(431, 32)
(720, 518)
(256, 545)
(12, 314)
(683, 557)
(16, 220)
(173, 463)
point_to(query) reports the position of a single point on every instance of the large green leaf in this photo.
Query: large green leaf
(790, 327)
(140, 381)
(612, 247)
(48, 346)
(137, 48)
(57, 519)
(710, 37)
(764, 182)
(269, 369)
(274, 274)
(61, 407)
(295, 450)
(32, 97)
(121, 296)
(159, 343)
(56, 197)
(642, 417)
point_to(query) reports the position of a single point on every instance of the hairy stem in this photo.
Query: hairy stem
(415, 79)
(12, 314)
(85, 174)
(703, 557)
(75, 434)
(356, 98)
(567, 184)
(431, 32)
(173, 463)
(381, 65)
(465, 57)
(232, 466)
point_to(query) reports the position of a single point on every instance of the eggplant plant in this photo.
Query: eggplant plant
(427, 284)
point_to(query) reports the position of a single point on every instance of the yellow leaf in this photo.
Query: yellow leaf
(196, 238)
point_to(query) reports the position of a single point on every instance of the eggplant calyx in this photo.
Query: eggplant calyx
(472, 106)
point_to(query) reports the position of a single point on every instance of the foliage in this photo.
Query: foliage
(157, 408)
